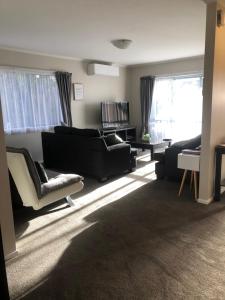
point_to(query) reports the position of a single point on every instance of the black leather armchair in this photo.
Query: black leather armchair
(167, 161)
(84, 151)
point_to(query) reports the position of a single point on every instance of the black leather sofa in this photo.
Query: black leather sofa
(85, 151)
(166, 167)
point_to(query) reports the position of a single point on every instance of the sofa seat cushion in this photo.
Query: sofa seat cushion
(60, 182)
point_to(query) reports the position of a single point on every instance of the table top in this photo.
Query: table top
(141, 142)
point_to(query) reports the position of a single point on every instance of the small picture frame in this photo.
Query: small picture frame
(78, 91)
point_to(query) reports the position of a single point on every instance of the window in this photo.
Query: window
(176, 108)
(30, 100)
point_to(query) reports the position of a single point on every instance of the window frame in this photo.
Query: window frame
(192, 75)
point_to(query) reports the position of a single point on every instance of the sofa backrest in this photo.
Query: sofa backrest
(84, 132)
(189, 144)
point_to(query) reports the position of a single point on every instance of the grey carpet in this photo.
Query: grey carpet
(149, 244)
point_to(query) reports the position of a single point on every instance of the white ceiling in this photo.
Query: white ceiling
(160, 29)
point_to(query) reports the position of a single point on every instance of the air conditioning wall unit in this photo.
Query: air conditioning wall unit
(100, 69)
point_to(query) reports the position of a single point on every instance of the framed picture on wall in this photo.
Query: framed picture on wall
(78, 91)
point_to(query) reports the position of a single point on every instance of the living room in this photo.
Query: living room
(45, 47)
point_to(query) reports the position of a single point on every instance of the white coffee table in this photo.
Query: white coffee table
(189, 162)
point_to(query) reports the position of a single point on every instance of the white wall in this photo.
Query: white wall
(85, 113)
(185, 66)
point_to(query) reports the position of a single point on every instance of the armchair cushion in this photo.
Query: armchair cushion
(59, 182)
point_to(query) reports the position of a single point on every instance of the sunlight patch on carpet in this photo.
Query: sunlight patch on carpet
(118, 188)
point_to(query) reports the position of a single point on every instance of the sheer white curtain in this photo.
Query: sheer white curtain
(176, 108)
(30, 102)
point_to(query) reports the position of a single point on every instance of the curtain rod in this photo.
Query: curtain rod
(180, 75)
(27, 70)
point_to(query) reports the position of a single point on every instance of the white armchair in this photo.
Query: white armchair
(32, 191)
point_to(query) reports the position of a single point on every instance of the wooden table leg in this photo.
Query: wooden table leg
(182, 183)
(195, 185)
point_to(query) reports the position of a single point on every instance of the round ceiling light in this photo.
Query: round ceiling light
(122, 43)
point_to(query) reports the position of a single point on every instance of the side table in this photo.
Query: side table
(189, 162)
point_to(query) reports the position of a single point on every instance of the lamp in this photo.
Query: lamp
(121, 43)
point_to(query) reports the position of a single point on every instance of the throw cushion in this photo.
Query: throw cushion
(112, 139)
(41, 172)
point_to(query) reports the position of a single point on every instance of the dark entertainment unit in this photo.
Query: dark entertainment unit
(128, 133)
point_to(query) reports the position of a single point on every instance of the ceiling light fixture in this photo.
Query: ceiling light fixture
(122, 43)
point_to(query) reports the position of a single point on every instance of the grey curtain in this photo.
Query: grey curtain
(64, 81)
(147, 86)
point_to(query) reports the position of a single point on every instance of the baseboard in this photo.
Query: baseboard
(11, 255)
(205, 201)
